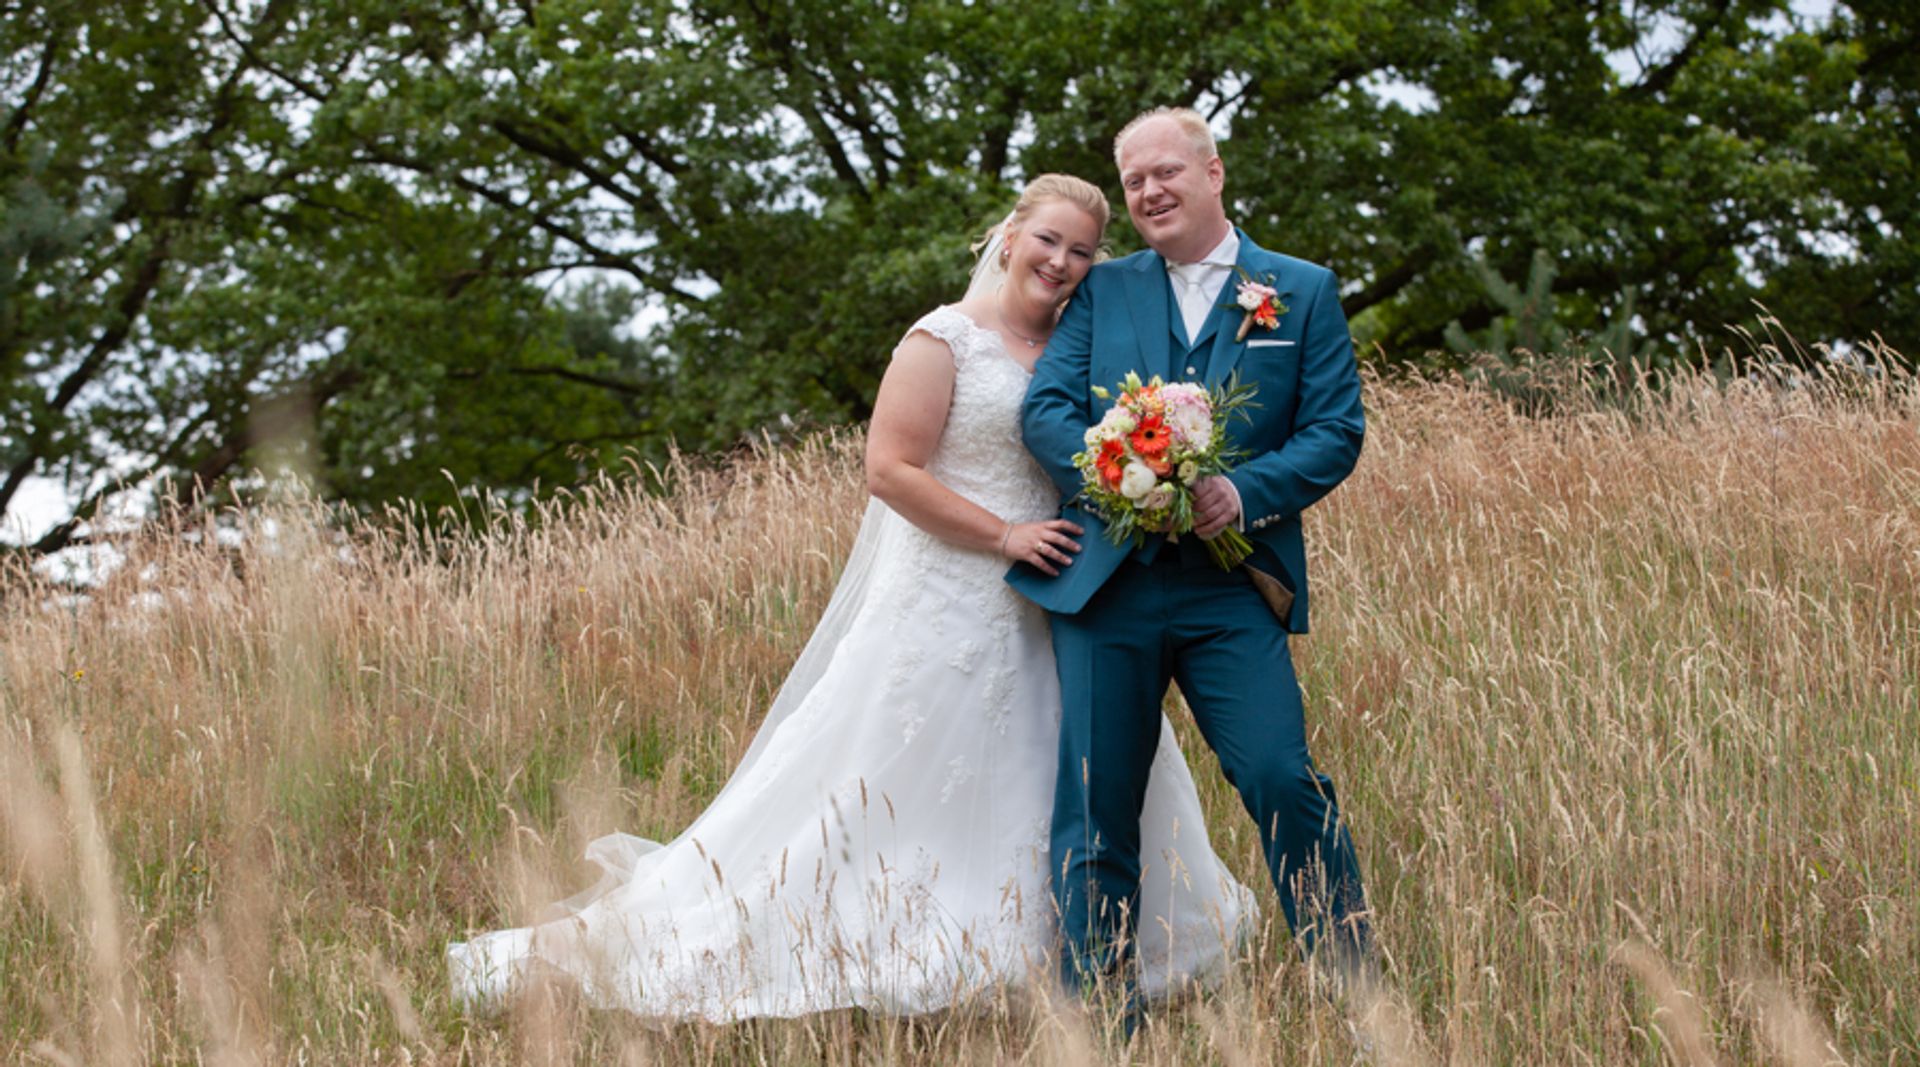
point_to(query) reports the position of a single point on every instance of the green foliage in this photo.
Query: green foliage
(1527, 354)
(425, 244)
(1529, 311)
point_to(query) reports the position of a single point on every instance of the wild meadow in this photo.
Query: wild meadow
(1622, 699)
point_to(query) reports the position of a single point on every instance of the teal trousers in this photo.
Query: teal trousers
(1181, 619)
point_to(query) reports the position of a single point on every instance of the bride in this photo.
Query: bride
(883, 843)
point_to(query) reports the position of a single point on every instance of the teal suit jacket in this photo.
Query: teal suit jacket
(1303, 439)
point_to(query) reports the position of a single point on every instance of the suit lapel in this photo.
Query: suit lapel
(1147, 300)
(1226, 353)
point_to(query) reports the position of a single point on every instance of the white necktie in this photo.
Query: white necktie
(1190, 279)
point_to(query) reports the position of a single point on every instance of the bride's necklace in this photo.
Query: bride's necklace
(1032, 342)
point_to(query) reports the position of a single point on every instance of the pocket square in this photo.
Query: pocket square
(1269, 344)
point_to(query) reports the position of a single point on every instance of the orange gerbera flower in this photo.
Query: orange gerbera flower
(1151, 437)
(1113, 462)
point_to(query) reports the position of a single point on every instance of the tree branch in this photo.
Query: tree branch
(829, 142)
(1900, 50)
(133, 299)
(66, 535)
(459, 280)
(850, 106)
(651, 152)
(1656, 82)
(780, 46)
(612, 260)
(599, 381)
(998, 149)
(246, 45)
(17, 122)
(1388, 283)
(268, 420)
(573, 160)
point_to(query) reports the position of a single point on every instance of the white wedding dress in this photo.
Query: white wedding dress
(884, 842)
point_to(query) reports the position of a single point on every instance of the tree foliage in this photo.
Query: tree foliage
(469, 242)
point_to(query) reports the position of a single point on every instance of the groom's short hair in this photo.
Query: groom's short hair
(1191, 122)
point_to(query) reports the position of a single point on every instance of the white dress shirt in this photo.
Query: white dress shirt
(1196, 284)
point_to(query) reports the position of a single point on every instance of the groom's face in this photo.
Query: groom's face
(1173, 190)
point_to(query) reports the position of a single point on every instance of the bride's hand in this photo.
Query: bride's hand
(1042, 544)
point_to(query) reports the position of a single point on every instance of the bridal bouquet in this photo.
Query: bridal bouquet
(1144, 457)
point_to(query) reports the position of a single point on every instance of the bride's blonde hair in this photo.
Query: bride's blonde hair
(1079, 192)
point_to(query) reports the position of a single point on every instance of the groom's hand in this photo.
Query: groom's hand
(1216, 505)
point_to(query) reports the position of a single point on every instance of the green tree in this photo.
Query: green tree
(469, 242)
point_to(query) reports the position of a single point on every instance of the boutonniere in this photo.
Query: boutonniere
(1260, 301)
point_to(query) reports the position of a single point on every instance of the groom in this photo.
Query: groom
(1126, 621)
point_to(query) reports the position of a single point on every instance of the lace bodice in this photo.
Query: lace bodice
(981, 455)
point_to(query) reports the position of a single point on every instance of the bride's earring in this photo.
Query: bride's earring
(1005, 250)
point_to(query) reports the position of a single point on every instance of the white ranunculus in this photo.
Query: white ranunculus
(1250, 299)
(1188, 470)
(1136, 481)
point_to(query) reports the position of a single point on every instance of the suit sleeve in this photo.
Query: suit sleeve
(1328, 422)
(1057, 413)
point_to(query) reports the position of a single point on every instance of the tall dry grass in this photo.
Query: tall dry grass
(1624, 707)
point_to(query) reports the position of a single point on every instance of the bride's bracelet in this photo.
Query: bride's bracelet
(1004, 538)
